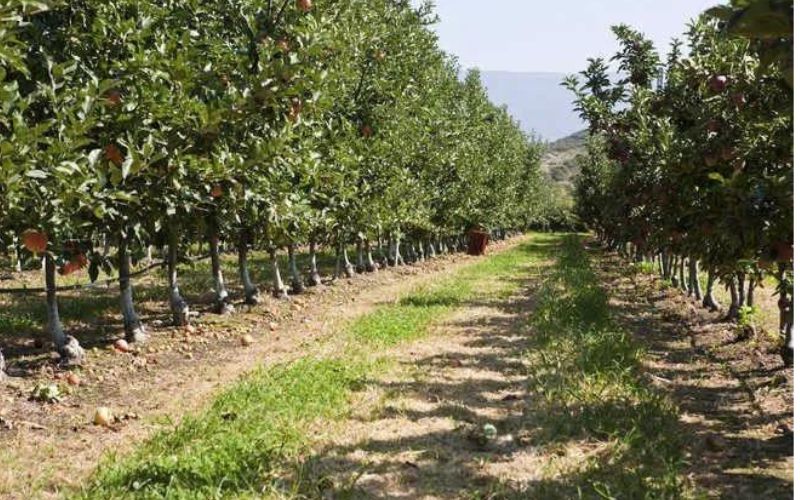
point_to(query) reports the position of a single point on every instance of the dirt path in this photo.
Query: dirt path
(47, 447)
(735, 397)
(418, 431)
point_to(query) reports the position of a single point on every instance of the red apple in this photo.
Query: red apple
(113, 98)
(35, 241)
(304, 5)
(718, 83)
(113, 154)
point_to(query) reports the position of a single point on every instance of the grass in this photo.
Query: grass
(588, 374)
(250, 441)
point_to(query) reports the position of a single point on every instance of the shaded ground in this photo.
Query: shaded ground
(736, 398)
(45, 448)
(418, 432)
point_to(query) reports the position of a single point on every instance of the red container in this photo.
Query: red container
(478, 240)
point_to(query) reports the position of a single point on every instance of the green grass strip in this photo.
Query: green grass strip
(588, 373)
(249, 442)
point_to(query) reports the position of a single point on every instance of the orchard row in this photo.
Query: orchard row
(247, 124)
(691, 159)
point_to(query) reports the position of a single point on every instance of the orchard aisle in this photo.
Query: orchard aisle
(181, 375)
(520, 395)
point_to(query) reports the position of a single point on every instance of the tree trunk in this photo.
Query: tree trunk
(348, 266)
(741, 280)
(17, 255)
(222, 303)
(178, 306)
(751, 291)
(251, 294)
(313, 273)
(694, 280)
(297, 280)
(709, 301)
(278, 290)
(682, 273)
(360, 264)
(786, 308)
(2, 366)
(398, 258)
(370, 262)
(733, 311)
(66, 345)
(431, 249)
(134, 330)
(420, 251)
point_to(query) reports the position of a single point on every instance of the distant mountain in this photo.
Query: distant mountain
(560, 159)
(537, 100)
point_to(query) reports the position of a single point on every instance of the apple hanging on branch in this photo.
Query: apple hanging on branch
(35, 241)
(113, 154)
(718, 83)
(304, 5)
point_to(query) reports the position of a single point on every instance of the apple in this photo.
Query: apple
(113, 154)
(216, 191)
(304, 5)
(366, 131)
(718, 83)
(35, 241)
(283, 45)
(113, 98)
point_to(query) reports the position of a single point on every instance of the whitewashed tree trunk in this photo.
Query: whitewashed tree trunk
(694, 280)
(278, 288)
(360, 264)
(348, 266)
(17, 255)
(708, 300)
(178, 306)
(251, 295)
(66, 345)
(370, 262)
(396, 255)
(134, 330)
(222, 304)
(313, 272)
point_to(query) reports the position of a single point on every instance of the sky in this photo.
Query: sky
(553, 36)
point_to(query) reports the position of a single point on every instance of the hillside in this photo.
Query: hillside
(560, 160)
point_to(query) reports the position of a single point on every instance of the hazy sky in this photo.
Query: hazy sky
(557, 36)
